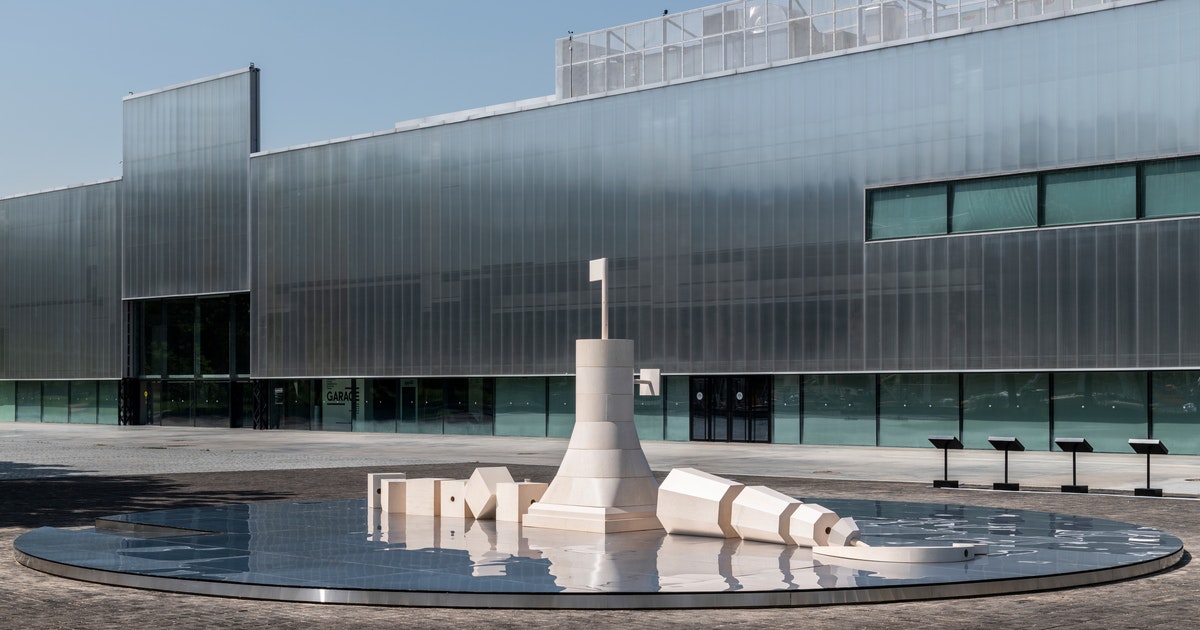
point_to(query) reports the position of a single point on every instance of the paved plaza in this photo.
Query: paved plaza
(66, 476)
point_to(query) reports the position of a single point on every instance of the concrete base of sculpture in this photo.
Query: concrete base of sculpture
(375, 487)
(604, 483)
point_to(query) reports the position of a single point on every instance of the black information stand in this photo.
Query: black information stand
(945, 442)
(1148, 448)
(1006, 444)
(1074, 445)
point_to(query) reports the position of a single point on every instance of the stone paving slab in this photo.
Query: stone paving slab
(33, 600)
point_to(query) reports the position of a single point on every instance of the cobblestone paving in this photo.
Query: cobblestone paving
(30, 599)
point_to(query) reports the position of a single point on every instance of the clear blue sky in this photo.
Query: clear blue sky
(330, 68)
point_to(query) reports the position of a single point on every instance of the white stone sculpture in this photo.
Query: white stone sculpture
(481, 490)
(394, 498)
(604, 483)
(693, 502)
(375, 487)
(423, 497)
(763, 514)
(844, 533)
(514, 499)
(453, 499)
(811, 525)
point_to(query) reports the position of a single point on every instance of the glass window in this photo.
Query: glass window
(994, 204)
(295, 403)
(648, 416)
(83, 402)
(108, 405)
(181, 339)
(212, 404)
(560, 418)
(693, 59)
(8, 401)
(913, 407)
(1175, 411)
(1106, 193)
(908, 211)
(839, 409)
(801, 33)
(339, 397)
(241, 334)
(56, 401)
(177, 404)
(379, 406)
(675, 390)
(652, 68)
(521, 406)
(633, 69)
(1106, 408)
(29, 401)
(1007, 405)
(154, 339)
(786, 420)
(214, 336)
(1172, 188)
(714, 56)
(469, 406)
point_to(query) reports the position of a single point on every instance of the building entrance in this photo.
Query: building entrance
(731, 408)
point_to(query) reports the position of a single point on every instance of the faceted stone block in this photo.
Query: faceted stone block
(513, 499)
(481, 490)
(375, 487)
(763, 514)
(695, 503)
(395, 496)
(844, 533)
(454, 499)
(423, 497)
(811, 525)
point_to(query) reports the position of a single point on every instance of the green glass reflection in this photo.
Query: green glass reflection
(8, 401)
(108, 406)
(839, 409)
(1106, 193)
(786, 404)
(675, 390)
(521, 407)
(561, 412)
(56, 402)
(1172, 188)
(908, 211)
(914, 406)
(648, 416)
(212, 404)
(339, 397)
(1006, 405)
(470, 405)
(83, 402)
(1175, 411)
(1105, 408)
(29, 401)
(994, 204)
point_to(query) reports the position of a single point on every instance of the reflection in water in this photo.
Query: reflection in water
(342, 544)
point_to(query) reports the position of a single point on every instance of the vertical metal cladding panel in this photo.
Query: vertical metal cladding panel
(186, 152)
(60, 285)
(732, 211)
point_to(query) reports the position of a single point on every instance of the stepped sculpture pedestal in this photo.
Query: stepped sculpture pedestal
(604, 483)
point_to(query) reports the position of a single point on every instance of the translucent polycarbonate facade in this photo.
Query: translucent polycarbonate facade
(752, 33)
(184, 188)
(60, 285)
(732, 210)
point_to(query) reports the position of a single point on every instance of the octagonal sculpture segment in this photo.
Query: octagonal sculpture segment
(696, 503)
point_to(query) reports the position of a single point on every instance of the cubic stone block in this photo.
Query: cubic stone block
(481, 490)
(763, 514)
(811, 525)
(454, 499)
(695, 503)
(513, 499)
(844, 533)
(423, 497)
(375, 487)
(395, 496)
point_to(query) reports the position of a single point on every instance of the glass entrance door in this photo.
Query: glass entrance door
(731, 408)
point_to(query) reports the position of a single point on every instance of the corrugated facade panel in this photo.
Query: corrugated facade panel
(185, 185)
(60, 305)
(733, 212)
